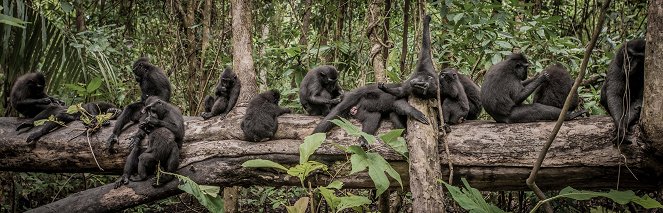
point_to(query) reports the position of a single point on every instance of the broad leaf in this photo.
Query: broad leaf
(207, 196)
(311, 143)
(260, 163)
(300, 206)
(471, 199)
(377, 166)
(353, 130)
(303, 170)
(396, 142)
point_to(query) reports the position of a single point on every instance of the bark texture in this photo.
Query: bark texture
(652, 124)
(242, 49)
(491, 156)
(374, 31)
(425, 170)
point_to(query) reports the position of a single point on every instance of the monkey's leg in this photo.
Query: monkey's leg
(538, 112)
(341, 109)
(370, 122)
(401, 107)
(49, 126)
(129, 166)
(394, 89)
(145, 161)
(396, 121)
(209, 102)
(44, 114)
(171, 165)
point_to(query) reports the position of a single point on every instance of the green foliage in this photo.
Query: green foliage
(260, 163)
(86, 91)
(396, 142)
(311, 143)
(299, 207)
(353, 130)
(338, 204)
(377, 166)
(207, 196)
(620, 197)
(470, 199)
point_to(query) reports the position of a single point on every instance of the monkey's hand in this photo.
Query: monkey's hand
(33, 138)
(206, 115)
(420, 117)
(544, 76)
(381, 86)
(122, 181)
(24, 125)
(110, 142)
(134, 140)
(56, 101)
(334, 101)
(145, 126)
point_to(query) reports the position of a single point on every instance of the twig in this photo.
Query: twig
(583, 67)
(92, 151)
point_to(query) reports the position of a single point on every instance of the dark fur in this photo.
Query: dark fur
(153, 82)
(226, 92)
(624, 104)
(422, 83)
(29, 98)
(371, 105)
(260, 123)
(473, 93)
(319, 91)
(504, 91)
(163, 125)
(554, 91)
(455, 105)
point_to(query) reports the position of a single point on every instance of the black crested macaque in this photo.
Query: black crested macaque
(260, 123)
(455, 105)
(319, 91)
(422, 83)
(503, 93)
(473, 93)
(621, 94)
(164, 125)
(553, 92)
(153, 82)
(226, 92)
(29, 98)
(370, 105)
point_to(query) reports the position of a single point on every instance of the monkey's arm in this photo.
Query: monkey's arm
(32, 102)
(394, 90)
(529, 89)
(316, 99)
(232, 100)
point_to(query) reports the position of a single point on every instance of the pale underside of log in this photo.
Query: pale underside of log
(491, 156)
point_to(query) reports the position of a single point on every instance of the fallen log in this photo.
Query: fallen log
(491, 156)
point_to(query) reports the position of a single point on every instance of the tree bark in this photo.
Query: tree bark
(242, 49)
(406, 21)
(80, 16)
(652, 124)
(373, 16)
(490, 155)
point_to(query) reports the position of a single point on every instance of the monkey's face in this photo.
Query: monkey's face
(328, 76)
(521, 69)
(448, 76)
(36, 83)
(224, 86)
(423, 85)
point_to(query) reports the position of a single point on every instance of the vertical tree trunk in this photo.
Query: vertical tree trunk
(340, 19)
(263, 71)
(80, 16)
(230, 199)
(652, 112)
(385, 34)
(373, 16)
(303, 43)
(406, 21)
(242, 49)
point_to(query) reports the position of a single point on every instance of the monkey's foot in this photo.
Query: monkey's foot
(122, 181)
(32, 139)
(24, 125)
(137, 178)
(110, 143)
(420, 117)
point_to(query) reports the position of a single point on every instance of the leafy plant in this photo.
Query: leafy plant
(470, 199)
(86, 90)
(207, 196)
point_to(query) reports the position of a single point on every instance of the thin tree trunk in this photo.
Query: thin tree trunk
(340, 20)
(373, 16)
(406, 22)
(80, 16)
(242, 49)
(263, 71)
(651, 114)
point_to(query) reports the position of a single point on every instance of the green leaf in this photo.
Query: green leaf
(303, 170)
(470, 198)
(504, 44)
(93, 85)
(353, 130)
(207, 196)
(300, 206)
(260, 163)
(525, 28)
(73, 109)
(311, 143)
(396, 142)
(377, 166)
(5, 19)
(75, 87)
(336, 184)
(66, 6)
(458, 17)
(620, 197)
(351, 202)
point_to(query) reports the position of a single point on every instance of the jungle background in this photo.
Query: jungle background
(86, 48)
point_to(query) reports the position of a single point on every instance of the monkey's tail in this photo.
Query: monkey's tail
(424, 54)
